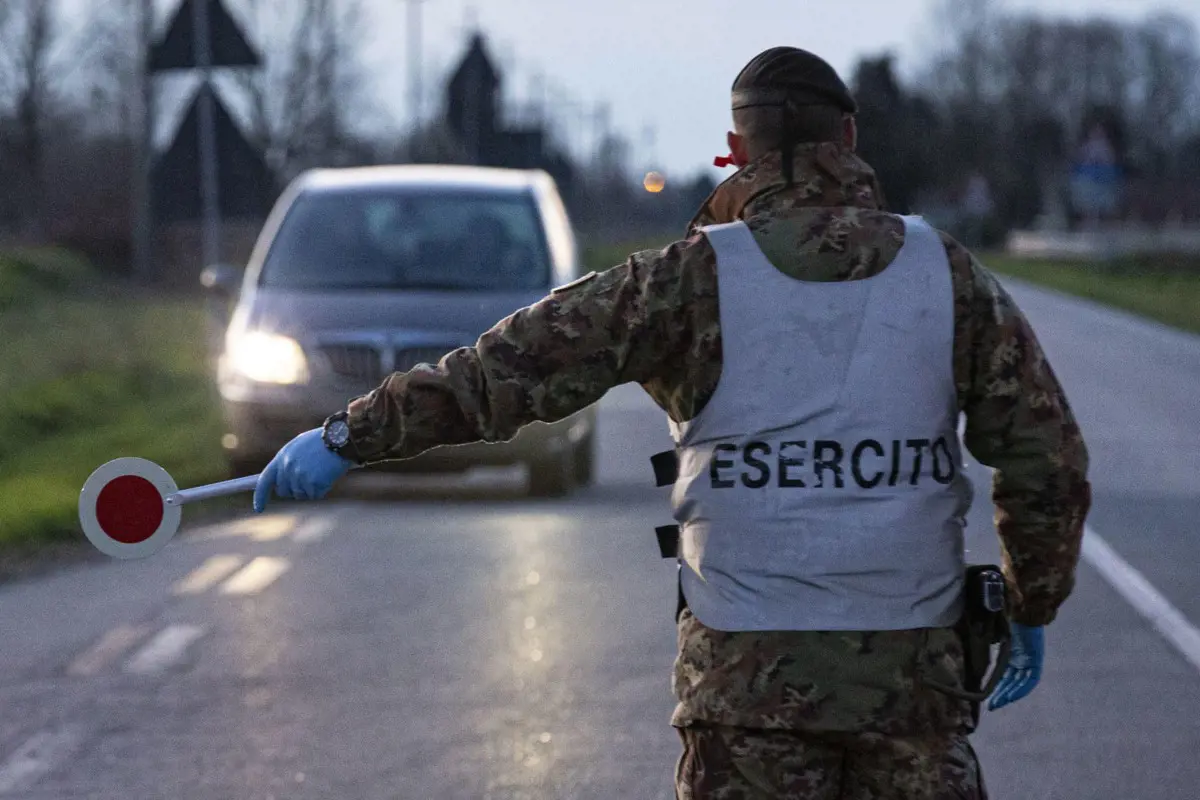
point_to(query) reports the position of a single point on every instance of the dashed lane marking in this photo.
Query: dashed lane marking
(165, 650)
(209, 574)
(266, 528)
(313, 528)
(37, 757)
(256, 576)
(110, 647)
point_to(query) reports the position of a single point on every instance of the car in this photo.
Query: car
(362, 272)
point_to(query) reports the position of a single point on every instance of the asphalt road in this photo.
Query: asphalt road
(461, 641)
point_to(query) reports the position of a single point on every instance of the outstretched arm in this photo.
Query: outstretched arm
(543, 363)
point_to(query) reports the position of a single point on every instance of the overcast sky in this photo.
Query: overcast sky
(661, 65)
(669, 63)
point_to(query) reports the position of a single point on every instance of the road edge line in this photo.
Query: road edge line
(1141, 594)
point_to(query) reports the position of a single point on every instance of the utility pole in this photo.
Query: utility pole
(209, 190)
(600, 118)
(537, 94)
(143, 222)
(414, 60)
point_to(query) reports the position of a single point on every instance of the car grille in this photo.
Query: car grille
(359, 364)
(363, 365)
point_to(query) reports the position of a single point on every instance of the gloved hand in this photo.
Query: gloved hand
(305, 469)
(1024, 666)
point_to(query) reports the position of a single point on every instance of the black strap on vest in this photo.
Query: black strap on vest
(668, 540)
(666, 472)
(666, 468)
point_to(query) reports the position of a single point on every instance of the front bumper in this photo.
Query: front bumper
(260, 420)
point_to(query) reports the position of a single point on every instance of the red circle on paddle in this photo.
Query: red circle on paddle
(129, 509)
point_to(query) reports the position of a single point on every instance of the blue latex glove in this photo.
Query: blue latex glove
(305, 469)
(1024, 666)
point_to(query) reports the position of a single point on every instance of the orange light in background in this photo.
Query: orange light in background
(654, 182)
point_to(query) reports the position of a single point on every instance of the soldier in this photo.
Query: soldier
(819, 490)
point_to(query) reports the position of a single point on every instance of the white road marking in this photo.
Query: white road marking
(110, 647)
(256, 576)
(37, 757)
(208, 574)
(1145, 599)
(313, 529)
(266, 528)
(164, 650)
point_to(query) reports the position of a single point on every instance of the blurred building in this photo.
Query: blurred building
(475, 117)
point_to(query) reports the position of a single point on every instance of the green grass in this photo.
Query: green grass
(90, 376)
(30, 275)
(1166, 291)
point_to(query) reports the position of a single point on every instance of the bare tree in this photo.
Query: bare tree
(1164, 101)
(28, 30)
(114, 48)
(312, 85)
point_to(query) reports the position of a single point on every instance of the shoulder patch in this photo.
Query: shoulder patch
(577, 282)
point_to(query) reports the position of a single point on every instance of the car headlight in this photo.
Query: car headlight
(268, 358)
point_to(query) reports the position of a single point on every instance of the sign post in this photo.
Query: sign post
(206, 135)
(203, 36)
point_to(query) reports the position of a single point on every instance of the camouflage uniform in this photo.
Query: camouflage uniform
(776, 713)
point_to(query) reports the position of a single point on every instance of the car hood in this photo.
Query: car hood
(460, 317)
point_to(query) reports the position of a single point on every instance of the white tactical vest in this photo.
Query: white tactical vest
(821, 488)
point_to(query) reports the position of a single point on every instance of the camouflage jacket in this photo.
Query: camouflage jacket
(654, 320)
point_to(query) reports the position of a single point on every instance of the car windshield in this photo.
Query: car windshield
(410, 238)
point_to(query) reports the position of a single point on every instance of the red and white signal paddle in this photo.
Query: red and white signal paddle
(131, 507)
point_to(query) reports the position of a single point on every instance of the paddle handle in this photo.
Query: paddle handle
(212, 490)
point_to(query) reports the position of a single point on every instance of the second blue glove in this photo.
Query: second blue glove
(1024, 666)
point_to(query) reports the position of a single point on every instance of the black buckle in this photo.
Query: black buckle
(666, 468)
(668, 540)
(992, 590)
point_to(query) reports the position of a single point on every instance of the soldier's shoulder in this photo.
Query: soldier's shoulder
(675, 258)
(804, 223)
(828, 243)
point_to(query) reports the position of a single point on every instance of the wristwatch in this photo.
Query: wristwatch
(336, 435)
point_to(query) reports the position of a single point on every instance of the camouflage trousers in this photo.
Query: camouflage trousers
(720, 763)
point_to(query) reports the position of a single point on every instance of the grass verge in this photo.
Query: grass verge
(91, 375)
(1166, 291)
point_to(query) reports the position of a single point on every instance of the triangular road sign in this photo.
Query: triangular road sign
(246, 185)
(228, 46)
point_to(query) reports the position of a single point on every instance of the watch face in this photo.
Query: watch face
(338, 433)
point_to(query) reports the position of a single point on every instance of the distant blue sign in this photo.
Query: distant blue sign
(1097, 179)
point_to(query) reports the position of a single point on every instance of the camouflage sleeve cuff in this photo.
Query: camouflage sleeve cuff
(366, 444)
(1032, 615)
